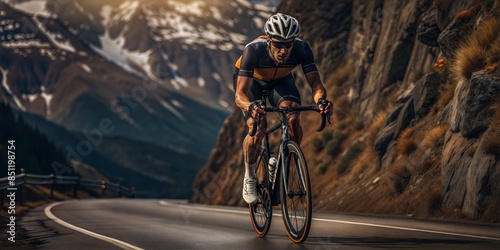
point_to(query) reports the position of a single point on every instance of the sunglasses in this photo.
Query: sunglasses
(280, 45)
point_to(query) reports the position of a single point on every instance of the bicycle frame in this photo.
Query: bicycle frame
(272, 192)
(274, 189)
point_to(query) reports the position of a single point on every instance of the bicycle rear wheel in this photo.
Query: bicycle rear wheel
(296, 198)
(261, 213)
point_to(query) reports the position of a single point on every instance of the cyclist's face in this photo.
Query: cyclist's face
(280, 49)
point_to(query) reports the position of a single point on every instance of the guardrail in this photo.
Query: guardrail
(15, 182)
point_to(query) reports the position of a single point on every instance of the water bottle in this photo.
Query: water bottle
(272, 168)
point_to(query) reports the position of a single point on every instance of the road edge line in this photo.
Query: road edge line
(119, 243)
(166, 203)
(407, 229)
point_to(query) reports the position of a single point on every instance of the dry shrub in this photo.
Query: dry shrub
(416, 75)
(447, 94)
(405, 144)
(487, 33)
(494, 55)
(352, 123)
(349, 156)
(317, 145)
(365, 161)
(321, 169)
(470, 58)
(434, 137)
(430, 199)
(327, 136)
(398, 177)
(375, 127)
(426, 163)
(334, 146)
(473, 54)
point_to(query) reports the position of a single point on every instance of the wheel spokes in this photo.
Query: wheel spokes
(296, 194)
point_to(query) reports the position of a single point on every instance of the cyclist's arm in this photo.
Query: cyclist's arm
(311, 71)
(243, 85)
(318, 90)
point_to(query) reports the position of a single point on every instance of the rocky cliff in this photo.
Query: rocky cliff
(415, 86)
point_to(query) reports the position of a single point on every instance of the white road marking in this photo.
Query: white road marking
(406, 228)
(337, 221)
(119, 243)
(165, 203)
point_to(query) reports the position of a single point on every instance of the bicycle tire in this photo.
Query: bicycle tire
(296, 200)
(261, 213)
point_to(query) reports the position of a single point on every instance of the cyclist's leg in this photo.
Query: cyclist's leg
(251, 144)
(285, 94)
(251, 149)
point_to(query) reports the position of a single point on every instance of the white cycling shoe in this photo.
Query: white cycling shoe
(250, 190)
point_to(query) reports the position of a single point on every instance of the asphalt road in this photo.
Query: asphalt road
(166, 224)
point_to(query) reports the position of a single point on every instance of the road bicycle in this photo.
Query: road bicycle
(291, 174)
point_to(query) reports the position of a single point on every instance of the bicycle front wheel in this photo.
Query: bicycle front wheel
(296, 198)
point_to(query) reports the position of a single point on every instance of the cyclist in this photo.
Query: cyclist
(266, 64)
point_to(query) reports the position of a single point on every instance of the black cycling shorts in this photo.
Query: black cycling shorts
(280, 90)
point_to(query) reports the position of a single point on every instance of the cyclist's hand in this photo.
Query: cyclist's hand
(255, 109)
(325, 107)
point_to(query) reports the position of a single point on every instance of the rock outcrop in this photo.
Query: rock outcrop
(467, 168)
(429, 107)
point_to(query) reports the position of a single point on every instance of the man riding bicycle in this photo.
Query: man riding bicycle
(266, 64)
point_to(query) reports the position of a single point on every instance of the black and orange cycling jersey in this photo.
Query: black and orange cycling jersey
(256, 62)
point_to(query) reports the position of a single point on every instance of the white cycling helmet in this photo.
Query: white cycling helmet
(282, 25)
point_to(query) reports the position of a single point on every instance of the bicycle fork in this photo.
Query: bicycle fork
(280, 173)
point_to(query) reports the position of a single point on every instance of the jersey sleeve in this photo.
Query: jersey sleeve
(308, 64)
(249, 60)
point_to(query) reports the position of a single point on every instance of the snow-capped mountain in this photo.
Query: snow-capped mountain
(153, 71)
(163, 41)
